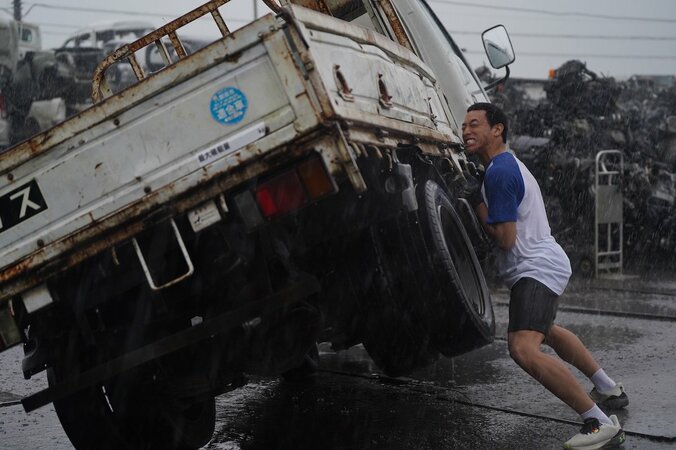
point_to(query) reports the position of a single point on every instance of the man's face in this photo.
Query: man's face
(478, 133)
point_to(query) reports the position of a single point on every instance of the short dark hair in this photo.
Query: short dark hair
(494, 115)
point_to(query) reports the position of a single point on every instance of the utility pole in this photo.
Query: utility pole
(17, 10)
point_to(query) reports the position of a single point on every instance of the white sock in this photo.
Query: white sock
(596, 413)
(602, 382)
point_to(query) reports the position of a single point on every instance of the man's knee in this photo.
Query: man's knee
(523, 345)
(558, 337)
(518, 351)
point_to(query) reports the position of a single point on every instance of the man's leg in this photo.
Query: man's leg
(524, 348)
(569, 347)
(532, 309)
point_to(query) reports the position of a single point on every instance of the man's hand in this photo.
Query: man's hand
(472, 191)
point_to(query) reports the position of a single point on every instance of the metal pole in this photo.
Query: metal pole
(17, 10)
(255, 9)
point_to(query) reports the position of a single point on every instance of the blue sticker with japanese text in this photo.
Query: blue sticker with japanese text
(229, 105)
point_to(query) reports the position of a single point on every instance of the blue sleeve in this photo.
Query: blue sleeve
(504, 190)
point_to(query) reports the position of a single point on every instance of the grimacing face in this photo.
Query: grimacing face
(478, 134)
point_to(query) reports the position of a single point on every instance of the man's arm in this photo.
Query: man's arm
(503, 233)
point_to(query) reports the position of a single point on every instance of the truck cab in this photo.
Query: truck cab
(30, 39)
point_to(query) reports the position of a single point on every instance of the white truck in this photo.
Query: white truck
(294, 182)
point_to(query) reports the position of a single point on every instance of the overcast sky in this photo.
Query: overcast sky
(614, 37)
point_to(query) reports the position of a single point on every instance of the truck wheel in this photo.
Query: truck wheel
(395, 334)
(460, 310)
(117, 416)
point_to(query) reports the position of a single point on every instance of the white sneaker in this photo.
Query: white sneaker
(616, 398)
(594, 435)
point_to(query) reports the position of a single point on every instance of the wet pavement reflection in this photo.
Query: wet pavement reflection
(337, 413)
(478, 400)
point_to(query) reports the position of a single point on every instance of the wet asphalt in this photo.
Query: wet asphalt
(480, 400)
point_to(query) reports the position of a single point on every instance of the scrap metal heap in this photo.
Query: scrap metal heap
(558, 136)
(39, 76)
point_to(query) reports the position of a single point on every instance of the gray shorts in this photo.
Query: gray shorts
(532, 306)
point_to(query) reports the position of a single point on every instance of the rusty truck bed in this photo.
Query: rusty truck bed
(224, 115)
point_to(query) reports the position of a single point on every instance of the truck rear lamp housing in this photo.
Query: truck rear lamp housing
(316, 181)
(293, 189)
(281, 195)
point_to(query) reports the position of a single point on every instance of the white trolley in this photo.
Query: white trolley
(608, 217)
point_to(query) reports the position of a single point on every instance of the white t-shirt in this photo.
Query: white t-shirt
(513, 195)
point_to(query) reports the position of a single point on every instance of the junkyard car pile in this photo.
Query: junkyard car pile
(559, 135)
(40, 88)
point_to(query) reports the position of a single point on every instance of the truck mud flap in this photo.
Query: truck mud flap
(298, 291)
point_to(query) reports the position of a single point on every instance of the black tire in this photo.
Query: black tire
(460, 314)
(395, 334)
(123, 416)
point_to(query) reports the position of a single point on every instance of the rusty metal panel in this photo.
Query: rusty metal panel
(252, 161)
(223, 52)
(165, 142)
(395, 23)
(220, 23)
(312, 20)
(286, 55)
(389, 86)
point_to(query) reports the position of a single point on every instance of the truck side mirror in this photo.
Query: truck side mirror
(499, 51)
(498, 47)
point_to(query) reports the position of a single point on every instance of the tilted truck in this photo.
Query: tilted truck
(294, 182)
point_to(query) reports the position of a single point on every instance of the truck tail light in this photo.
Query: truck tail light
(314, 178)
(281, 195)
(293, 189)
